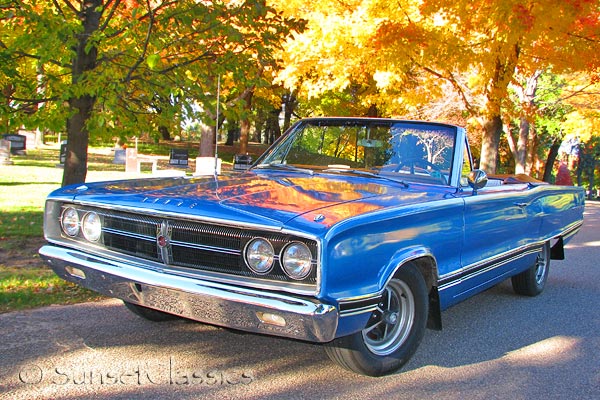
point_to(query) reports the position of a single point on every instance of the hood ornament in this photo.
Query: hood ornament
(319, 218)
(163, 241)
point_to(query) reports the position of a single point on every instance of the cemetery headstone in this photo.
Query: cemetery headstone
(62, 157)
(120, 156)
(5, 152)
(131, 164)
(242, 162)
(179, 158)
(17, 143)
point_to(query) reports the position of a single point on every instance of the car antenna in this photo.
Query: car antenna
(217, 128)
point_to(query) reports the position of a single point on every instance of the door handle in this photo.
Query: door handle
(520, 205)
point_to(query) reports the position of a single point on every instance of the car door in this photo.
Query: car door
(497, 228)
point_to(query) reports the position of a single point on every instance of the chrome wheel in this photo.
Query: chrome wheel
(541, 266)
(391, 323)
(394, 330)
(532, 281)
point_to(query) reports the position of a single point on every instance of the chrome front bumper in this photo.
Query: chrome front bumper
(204, 301)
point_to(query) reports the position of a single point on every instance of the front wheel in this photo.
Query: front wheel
(532, 281)
(149, 313)
(393, 332)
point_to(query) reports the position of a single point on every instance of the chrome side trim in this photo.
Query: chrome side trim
(483, 266)
(204, 301)
(570, 231)
(358, 305)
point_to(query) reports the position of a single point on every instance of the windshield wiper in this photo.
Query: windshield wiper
(286, 167)
(365, 173)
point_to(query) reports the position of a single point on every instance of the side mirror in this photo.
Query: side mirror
(477, 179)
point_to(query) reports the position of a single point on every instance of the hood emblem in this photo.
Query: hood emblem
(163, 241)
(319, 218)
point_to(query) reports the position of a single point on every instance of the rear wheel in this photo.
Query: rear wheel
(149, 313)
(532, 281)
(394, 331)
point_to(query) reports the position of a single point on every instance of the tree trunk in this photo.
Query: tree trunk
(591, 178)
(522, 143)
(245, 123)
(84, 61)
(527, 140)
(290, 102)
(496, 93)
(373, 111)
(531, 166)
(207, 142)
(164, 132)
(490, 143)
(549, 165)
(232, 131)
(273, 130)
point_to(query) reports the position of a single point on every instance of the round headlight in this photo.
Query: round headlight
(69, 220)
(91, 227)
(297, 260)
(259, 255)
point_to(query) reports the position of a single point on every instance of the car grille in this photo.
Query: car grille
(193, 245)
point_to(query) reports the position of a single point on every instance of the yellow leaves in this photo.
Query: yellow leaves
(335, 50)
(153, 60)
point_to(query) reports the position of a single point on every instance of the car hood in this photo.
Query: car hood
(276, 200)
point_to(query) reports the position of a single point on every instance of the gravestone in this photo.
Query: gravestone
(5, 152)
(179, 158)
(62, 157)
(17, 143)
(120, 156)
(242, 162)
(131, 161)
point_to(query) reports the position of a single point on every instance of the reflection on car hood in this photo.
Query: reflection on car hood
(273, 199)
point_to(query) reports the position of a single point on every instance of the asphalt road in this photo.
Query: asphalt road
(496, 345)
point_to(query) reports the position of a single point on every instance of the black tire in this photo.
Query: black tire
(394, 331)
(532, 281)
(149, 313)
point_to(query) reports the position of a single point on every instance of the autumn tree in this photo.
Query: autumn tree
(127, 65)
(406, 54)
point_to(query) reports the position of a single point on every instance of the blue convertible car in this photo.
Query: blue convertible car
(352, 232)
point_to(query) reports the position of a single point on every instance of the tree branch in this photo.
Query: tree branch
(142, 56)
(68, 4)
(450, 78)
(111, 13)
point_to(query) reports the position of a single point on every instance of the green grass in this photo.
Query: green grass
(25, 282)
(23, 288)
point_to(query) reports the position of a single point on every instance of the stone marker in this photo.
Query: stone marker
(131, 164)
(179, 158)
(120, 156)
(5, 152)
(17, 143)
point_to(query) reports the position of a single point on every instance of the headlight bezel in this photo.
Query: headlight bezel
(250, 258)
(71, 226)
(290, 263)
(95, 227)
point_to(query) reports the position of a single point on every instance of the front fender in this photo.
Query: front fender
(403, 256)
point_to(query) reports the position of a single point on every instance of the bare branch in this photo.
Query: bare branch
(69, 6)
(142, 56)
(111, 13)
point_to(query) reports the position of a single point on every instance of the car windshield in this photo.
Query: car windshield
(401, 150)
